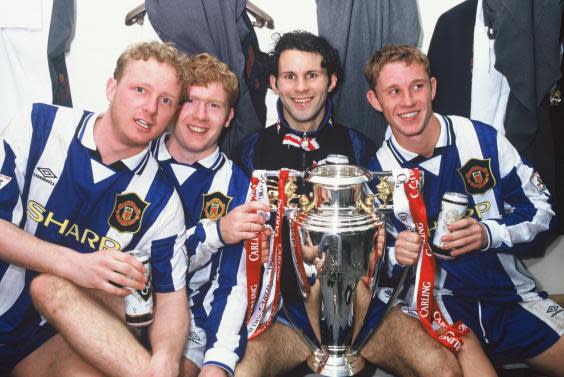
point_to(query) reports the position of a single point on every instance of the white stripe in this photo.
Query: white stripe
(468, 147)
(547, 311)
(11, 286)
(140, 185)
(524, 284)
(53, 158)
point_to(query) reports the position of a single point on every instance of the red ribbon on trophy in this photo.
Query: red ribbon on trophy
(427, 308)
(262, 310)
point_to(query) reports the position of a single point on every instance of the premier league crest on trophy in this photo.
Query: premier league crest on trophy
(337, 232)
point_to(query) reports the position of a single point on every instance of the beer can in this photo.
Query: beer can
(453, 208)
(139, 304)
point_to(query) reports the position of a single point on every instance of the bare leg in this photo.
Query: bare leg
(188, 368)
(473, 360)
(313, 309)
(90, 328)
(276, 351)
(401, 346)
(54, 359)
(551, 361)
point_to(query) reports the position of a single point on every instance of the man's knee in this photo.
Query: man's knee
(47, 292)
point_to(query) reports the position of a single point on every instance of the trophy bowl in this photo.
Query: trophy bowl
(338, 238)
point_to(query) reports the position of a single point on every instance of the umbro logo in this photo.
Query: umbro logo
(46, 172)
(554, 310)
(194, 338)
(46, 175)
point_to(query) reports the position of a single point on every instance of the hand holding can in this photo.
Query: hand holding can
(139, 303)
(453, 208)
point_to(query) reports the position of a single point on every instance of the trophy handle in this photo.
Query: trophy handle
(297, 256)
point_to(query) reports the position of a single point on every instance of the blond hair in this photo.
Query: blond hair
(392, 54)
(205, 69)
(162, 52)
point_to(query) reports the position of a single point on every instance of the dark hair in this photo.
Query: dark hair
(305, 41)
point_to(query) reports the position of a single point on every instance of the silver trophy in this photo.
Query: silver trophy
(338, 239)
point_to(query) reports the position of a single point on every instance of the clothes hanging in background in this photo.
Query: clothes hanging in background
(490, 89)
(357, 29)
(527, 54)
(23, 56)
(60, 35)
(221, 28)
(557, 120)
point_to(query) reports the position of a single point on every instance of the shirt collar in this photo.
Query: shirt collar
(445, 139)
(162, 154)
(85, 135)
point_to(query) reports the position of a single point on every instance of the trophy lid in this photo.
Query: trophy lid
(337, 175)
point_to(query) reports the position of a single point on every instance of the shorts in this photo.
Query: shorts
(509, 332)
(196, 347)
(12, 353)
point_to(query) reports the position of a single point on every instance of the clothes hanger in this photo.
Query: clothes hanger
(262, 19)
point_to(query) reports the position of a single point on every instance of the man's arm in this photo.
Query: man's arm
(93, 270)
(526, 210)
(168, 333)
(207, 237)
(225, 326)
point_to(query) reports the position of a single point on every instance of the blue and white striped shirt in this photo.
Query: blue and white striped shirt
(504, 193)
(217, 287)
(55, 186)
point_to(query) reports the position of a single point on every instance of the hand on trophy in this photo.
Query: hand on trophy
(243, 223)
(408, 247)
(464, 236)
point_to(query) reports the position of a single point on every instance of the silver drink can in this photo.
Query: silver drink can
(453, 208)
(139, 304)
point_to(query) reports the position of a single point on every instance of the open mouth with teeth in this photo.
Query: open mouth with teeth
(409, 115)
(143, 123)
(302, 101)
(197, 130)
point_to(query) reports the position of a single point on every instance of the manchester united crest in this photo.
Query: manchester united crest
(477, 176)
(128, 213)
(215, 205)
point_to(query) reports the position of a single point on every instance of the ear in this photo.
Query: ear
(373, 100)
(229, 118)
(332, 83)
(273, 84)
(433, 87)
(110, 89)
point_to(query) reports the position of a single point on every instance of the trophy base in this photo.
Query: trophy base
(335, 365)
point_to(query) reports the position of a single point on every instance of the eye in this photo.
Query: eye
(214, 105)
(289, 76)
(393, 91)
(312, 75)
(167, 101)
(139, 89)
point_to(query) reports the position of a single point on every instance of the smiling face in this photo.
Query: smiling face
(403, 93)
(142, 103)
(200, 122)
(303, 86)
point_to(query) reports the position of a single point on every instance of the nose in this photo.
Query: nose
(201, 112)
(300, 84)
(407, 98)
(151, 105)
